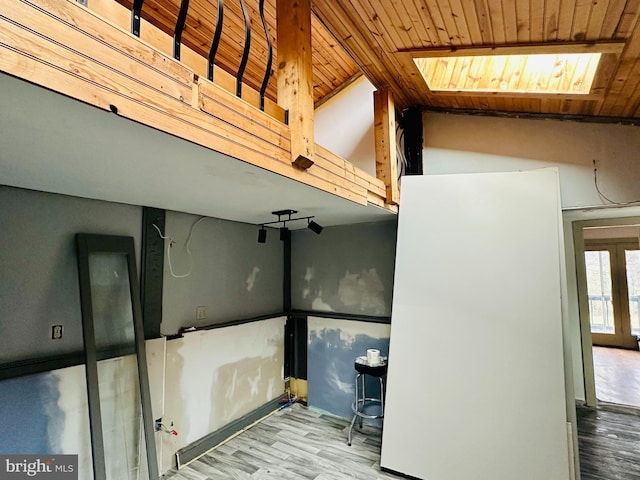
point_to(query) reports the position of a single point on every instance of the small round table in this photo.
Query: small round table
(361, 401)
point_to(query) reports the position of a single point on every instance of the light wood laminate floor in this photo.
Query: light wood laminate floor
(617, 374)
(296, 443)
(300, 443)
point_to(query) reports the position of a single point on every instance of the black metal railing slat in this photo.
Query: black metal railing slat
(216, 39)
(267, 70)
(136, 12)
(247, 47)
(180, 24)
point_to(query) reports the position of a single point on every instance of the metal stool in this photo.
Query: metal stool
(361, 401)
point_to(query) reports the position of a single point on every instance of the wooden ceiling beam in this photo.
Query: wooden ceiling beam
(384, 126)
(613, 46)
(295, 77)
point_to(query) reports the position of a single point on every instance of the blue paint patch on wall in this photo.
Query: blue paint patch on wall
(26, 406)
(330, 370)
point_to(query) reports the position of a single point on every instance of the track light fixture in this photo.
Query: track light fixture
(262, 235)
(314, 227)
(285, 216)
(285, 234)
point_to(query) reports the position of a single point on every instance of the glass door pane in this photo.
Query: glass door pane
(120, 403)
(122, 438)
(598, 264)
(632, 259)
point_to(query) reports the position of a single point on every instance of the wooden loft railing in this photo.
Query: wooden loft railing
(88, 53)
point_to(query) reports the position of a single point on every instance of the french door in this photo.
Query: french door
(613, 287)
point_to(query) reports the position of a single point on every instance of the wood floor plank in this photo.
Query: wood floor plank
(302, 444)
(297, 443)
(609, 445)
(617, 375)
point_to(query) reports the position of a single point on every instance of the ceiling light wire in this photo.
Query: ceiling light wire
(187, 247)
(602, 195)
(401, 159)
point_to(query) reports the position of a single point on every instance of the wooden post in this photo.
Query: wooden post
(295, 76)
(385, 137)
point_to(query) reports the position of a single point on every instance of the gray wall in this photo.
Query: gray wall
(232, 275)
(346, 269)
(38, 270)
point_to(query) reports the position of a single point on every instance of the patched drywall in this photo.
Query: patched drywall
(121, 412)
(228, 272)
(333, 346)
(216, 376)
(346, 269)
(47, 413)
(38, 267)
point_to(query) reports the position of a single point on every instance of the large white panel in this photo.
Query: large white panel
(476, 379)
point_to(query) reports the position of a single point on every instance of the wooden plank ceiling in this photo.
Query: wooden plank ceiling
(378, 33)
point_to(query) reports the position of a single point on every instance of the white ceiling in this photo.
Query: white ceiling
(52, 143)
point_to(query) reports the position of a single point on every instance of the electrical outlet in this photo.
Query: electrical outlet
(56, 332)
(201, 313)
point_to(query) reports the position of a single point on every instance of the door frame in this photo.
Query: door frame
(622, 338)
(583, 301)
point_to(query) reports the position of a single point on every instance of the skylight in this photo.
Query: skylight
(571, 73)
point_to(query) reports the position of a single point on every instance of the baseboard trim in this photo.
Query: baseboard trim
(195, 450)
(398, 474)
(618, 408)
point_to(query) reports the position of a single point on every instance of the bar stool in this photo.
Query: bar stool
(361, 401)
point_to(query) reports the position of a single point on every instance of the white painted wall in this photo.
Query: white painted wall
(471, 144)
(121, 413)
(344, 125)
(156, 350)
(215, 376)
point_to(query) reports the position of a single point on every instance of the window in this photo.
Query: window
(512, 70)
(545, 73)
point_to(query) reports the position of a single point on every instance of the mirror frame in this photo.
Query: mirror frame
(86, 245)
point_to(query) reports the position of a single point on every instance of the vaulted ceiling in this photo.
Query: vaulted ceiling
(381, 37)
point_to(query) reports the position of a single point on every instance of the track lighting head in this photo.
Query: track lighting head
(262, 235)
(314, 227)
(285, 234)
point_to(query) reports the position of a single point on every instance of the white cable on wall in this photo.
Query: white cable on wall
(602, 195)
(172, 242)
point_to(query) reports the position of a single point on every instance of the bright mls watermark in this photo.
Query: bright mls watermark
(50, 467)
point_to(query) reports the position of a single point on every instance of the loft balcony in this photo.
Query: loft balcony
(89, 53)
